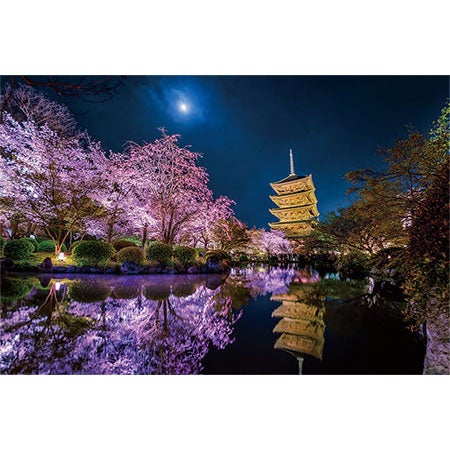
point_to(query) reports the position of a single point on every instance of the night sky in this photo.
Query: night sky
(245, 125)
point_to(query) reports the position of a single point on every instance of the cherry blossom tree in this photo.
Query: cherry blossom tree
(26, 104)
(271, 242)
(50, 179)
(173, 189)
(201, 231)
(122, 212)
(89, 88)
(230, 234)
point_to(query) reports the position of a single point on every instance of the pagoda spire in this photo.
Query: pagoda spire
(291, 157)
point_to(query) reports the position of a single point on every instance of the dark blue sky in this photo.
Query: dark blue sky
(245, 125)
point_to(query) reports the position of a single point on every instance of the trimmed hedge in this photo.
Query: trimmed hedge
(49, 247)
(219, 254)
(74, 245)
(130, 254)
(93, 253)
(185, 255)
(34, 243)
(18, 249)
(123, 243)
(162, 253)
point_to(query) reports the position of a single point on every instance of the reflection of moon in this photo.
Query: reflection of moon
(183, 107)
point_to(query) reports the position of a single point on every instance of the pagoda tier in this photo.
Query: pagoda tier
(297, 204)
(293, 229)
(298, 198)
(295, 213)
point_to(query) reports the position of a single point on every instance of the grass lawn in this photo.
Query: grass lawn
(36, 258)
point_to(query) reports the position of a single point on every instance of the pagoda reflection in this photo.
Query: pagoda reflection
(301, 316)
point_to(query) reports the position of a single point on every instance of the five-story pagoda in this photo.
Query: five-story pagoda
(297, 204)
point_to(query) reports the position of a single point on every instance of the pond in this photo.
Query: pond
(256, 320)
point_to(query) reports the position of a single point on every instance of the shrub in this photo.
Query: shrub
(162, 253)
(18, 249)
(123, 243)
(74, 245)
(130, 254)
(355, 266)
(34, 243)
(217, 254)
(49, 247)
(93, 253)
(185, 255)
(323, 262)
(2, 244)
(243, 258)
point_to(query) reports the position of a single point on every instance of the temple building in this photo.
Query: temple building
(297, 204)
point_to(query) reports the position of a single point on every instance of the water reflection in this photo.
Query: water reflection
(168, 324)
(107, 325)
(302, 325)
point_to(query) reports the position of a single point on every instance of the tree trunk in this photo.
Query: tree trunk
(437, 356)
(58, 247)
(110, 232)
(144, 236)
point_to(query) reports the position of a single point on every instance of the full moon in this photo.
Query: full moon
(183, 107)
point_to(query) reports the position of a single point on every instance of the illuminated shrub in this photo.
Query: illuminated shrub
(218, 255)
(185, 255)
(130, 254)
(33, 242)
(49, 247)
(75, 244)
(162, 253)
(93, 253)
(120, 244)
(18, 249)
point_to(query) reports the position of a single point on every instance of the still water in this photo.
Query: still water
(255, 321)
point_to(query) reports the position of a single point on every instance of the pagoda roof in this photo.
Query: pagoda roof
(293, 194)
(291, 177)
(293, 222)
(291, 208)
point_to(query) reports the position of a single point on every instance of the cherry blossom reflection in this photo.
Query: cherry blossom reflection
(70, 332)
(127, 325)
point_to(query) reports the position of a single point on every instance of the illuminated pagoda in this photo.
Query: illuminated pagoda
(297, 204)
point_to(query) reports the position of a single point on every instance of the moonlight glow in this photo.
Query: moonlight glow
(183, 107)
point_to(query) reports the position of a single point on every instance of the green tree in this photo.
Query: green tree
(412, 165)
